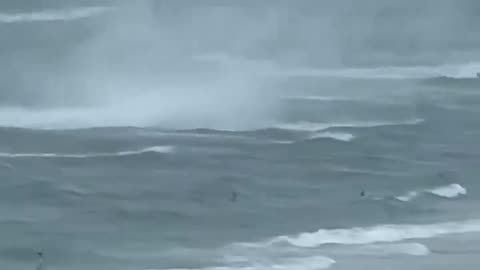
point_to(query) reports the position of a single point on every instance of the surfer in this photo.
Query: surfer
(234, 196)
(40, 261)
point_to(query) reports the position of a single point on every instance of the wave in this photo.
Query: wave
(323, 98)
(376, 234)
(449, 191)
(312, 126)
(153, 149)
(412, 249)
(306, 263)
(53, 15)
(339, 136)
(270, 69)
(463, 70)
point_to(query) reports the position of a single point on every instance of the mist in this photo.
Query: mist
(209, 64)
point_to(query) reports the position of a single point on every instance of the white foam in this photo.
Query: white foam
(313, 126)
(376, 234)
(305, 126)
(52, 15)
(380, 250)
(154, 149)
(407, 197)
(306, 263)
(449, 191)
(283, 142)
(339, 136)
(414, 249)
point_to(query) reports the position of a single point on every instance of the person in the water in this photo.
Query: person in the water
(362, 194)
(234, 196)
(40, 261)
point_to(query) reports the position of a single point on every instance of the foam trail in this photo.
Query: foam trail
(339, 136)
(154, 149)
(449, 191)
(376, 234)
(307, 263)
(53, 15)
(311, 126)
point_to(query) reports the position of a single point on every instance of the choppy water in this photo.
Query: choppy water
(132, 172)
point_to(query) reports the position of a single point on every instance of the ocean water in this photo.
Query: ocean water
(222, 135)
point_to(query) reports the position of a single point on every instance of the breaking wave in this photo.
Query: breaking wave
(307, 263)
(53, 15)
(414, 249)
(376, 234)
(312, 126)
(153, 149)
(449, 191)
(466, 70)
(376, 250)
(339, 136)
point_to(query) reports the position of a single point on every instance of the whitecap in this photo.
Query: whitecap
(449, 191)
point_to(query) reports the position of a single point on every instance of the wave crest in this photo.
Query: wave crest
(383, 233)
(413, 249)
(339, 136)
(153, 149)
(313, 126)
(459, 71)
(307, 263)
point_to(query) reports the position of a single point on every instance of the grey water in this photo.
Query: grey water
(238, 135)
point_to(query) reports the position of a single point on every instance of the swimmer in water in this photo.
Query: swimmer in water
(234, 196)
(40, 261)
(362, 194)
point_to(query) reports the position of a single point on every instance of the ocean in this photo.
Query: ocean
(239, 135)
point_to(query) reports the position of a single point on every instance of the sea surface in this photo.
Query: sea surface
(218, 135)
